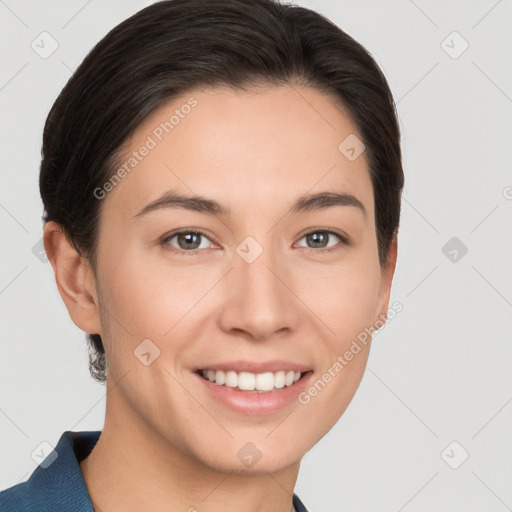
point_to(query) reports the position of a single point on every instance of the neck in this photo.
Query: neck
(132, 468)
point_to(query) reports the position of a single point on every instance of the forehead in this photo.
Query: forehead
(248, 149)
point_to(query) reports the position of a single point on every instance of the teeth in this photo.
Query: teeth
(246, 381)
(279, 379)
(220, 377)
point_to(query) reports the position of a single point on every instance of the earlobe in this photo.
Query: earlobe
(74, 277)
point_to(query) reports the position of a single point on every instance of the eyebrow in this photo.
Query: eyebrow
(201, 204)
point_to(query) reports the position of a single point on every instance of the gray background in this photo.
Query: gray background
(440, 372)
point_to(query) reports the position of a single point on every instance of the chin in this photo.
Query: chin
(247, 458)
(260, 467)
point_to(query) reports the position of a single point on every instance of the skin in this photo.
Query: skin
(213, 306)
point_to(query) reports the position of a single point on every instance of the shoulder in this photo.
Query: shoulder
(56, 484)
(15, 498)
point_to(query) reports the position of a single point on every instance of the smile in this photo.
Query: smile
(254, 387)
(247, 381)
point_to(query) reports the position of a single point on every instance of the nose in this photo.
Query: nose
(259, 298)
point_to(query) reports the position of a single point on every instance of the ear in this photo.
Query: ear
(75, 279)
(387, 272)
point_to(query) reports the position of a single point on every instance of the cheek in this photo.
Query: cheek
(343, 296)
(150, 299)
(347, 308)
(141, 300)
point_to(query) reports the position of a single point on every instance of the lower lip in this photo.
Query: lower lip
(254, 403)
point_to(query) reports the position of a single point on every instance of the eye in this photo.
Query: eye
(191, 242)
(319, 238)
(188, 242)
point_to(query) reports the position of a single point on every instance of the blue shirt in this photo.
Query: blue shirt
(57, 484)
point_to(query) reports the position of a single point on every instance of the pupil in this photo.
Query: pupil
(316, 237)
(187, 237)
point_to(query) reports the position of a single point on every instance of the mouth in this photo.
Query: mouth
(266, 382)
(252, 387)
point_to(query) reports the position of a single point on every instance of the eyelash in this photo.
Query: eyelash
(165, 241)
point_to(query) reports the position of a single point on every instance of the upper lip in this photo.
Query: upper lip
(256, 367)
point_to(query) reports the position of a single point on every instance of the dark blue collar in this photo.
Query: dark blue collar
(57, 484)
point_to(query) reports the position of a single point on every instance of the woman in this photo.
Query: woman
(222, 185)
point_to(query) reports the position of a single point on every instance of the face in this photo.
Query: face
(244, 284)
